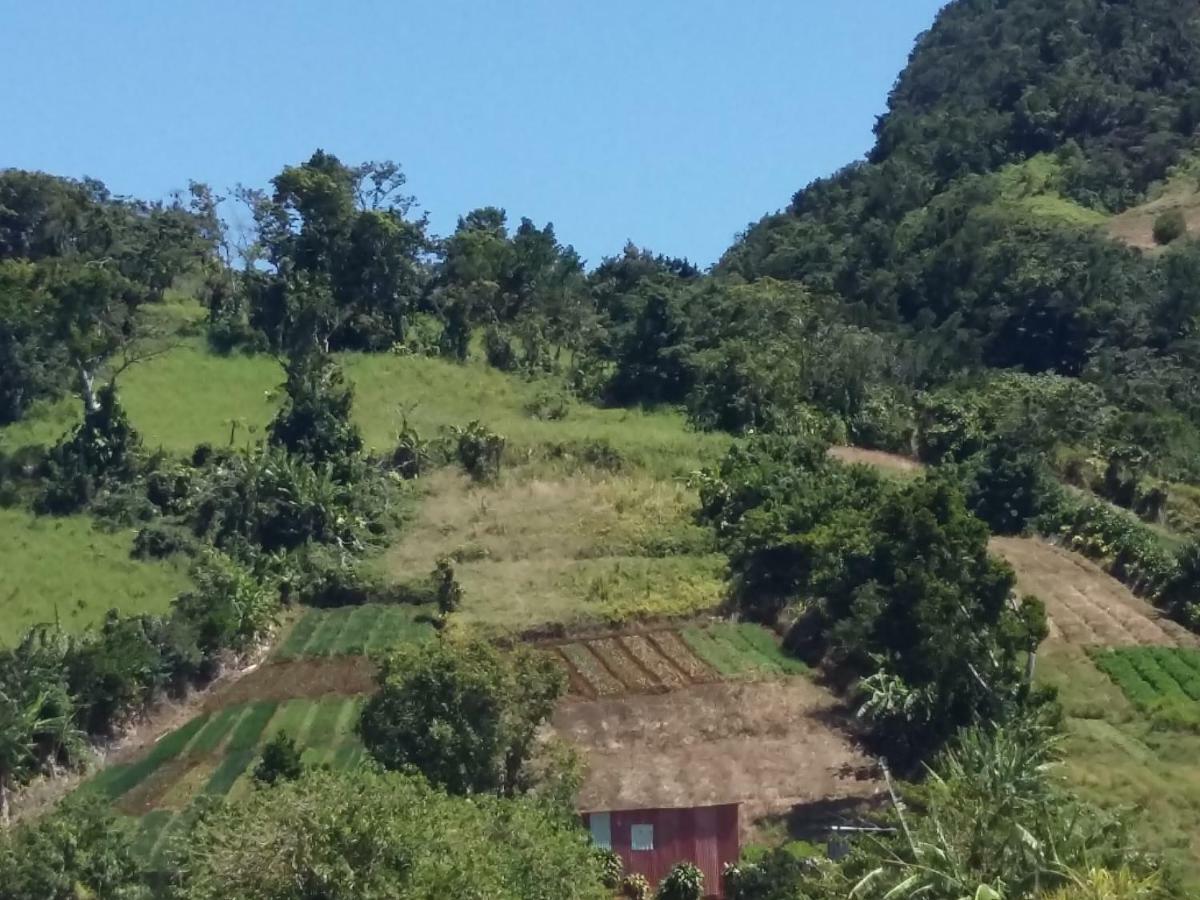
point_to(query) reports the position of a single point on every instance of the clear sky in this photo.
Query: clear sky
(673, 123)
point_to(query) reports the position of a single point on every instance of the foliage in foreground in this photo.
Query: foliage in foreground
(462, 713)
(990, 821)
(369, 835)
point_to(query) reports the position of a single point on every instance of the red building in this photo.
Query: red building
(651, 841)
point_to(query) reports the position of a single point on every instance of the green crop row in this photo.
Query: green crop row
(354, 631)
(1162, 682)
(740, 650)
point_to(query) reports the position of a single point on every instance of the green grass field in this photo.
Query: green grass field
(354, 631)
(1123, 754)
(68, 570)
(190, 396)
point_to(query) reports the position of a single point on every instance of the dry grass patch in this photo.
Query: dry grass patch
(587, 546)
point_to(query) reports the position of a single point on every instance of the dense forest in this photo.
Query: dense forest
(955, 298)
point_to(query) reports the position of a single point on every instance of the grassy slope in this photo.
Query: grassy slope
(1181, 190)
(1117, 757)
(540, 548)
(190, 396)
(69, 567)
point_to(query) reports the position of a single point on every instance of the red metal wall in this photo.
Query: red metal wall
(705, 835)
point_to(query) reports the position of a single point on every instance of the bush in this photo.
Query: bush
(159, 540)
(1169, 226)
(611, 868)
(1008, 487)
(683, 882)
(635, 887)
(548, 405)
(280, 761)
(479, 451)
(102, 451)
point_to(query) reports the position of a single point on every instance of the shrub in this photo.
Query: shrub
(413, 454)
(1169, 226)
(446, 588)
(683, 882)
(280, 761)
(1128, 548)
(548, 405)
(611, 868)
(103, 450)
(1007, 487)
(479, 451)
(635, 887)
(159, 540)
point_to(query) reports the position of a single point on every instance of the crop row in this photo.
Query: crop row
(1154, 677)
(354, 631)
(665, 660)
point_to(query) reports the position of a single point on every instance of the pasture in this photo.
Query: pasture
(66, 569)
(191, 396)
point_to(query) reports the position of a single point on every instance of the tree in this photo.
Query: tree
(385, 836)
(80, 851)
(461, 713)
(344, 259)
(280, 761)
(315, 420)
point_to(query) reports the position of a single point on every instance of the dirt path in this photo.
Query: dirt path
(1086, 606)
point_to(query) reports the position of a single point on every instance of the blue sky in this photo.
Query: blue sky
(673, 123)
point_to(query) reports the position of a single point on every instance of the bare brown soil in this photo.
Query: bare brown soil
(299, 679)
(889, 462)
(1085, 605)
(641, 662)
(776, 747)
(1135, 227)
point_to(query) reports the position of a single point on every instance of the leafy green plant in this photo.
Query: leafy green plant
(684, 882)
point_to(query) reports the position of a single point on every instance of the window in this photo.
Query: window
(641, 837)
(601, 826)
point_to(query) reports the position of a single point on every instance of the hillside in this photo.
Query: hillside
(364, 540)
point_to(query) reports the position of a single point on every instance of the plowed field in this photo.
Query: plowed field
(1086, 606)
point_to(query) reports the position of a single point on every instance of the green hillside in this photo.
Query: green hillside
(901, 499)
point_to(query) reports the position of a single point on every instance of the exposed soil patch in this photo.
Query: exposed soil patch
(1086, 606)
(773, 746)
(889, 462)
(299, 679)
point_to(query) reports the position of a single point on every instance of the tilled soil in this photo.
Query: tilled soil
(1087, 606)
(772, 746)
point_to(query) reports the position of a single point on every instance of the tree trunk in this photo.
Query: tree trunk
(87, 387)
(5, 816)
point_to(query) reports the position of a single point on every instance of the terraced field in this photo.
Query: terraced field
(354, 631)
(655, 662)
(1086, 606)
(213, 755)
